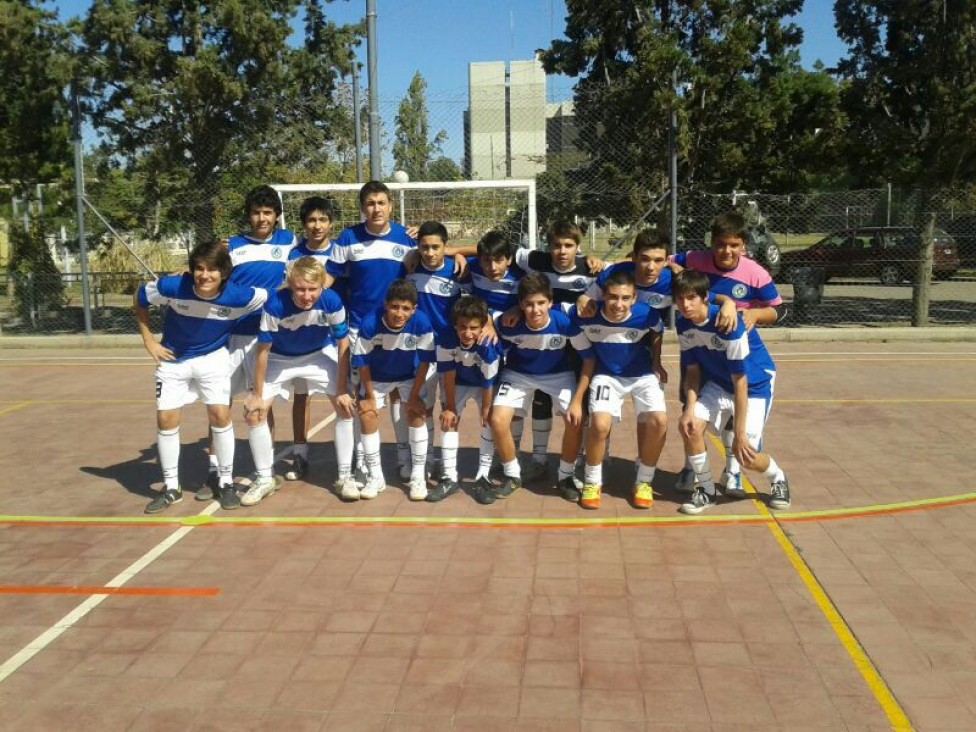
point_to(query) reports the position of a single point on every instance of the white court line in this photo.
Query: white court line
(51, 634)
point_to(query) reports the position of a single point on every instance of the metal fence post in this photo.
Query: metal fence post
(80, 205)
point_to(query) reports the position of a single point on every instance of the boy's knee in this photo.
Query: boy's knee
(600, 424)
(657, 422)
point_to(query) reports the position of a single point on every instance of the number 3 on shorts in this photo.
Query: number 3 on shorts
(602, 393)
(159, 389)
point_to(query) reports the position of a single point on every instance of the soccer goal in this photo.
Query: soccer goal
(467, 208)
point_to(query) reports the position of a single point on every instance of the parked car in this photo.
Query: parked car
(760, 247)
(890, 253)
(962, 228)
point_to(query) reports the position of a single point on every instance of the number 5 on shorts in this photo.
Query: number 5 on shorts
(503, 388)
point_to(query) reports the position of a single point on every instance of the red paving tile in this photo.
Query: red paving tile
(650, 628)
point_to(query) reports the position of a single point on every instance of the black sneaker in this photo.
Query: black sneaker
(483, 491)
(779, 494)
(508, 487)
(164, 500)
(299, 466)
(698, 502)
(568, 489)
(207, 491)
(227, 495)
(444, 488)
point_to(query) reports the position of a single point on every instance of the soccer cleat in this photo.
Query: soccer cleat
(534, 471)
(779, 494)
(348, 489)
(508, 487)
(591, 496)
(732, 485)
(418, 489)
(228, 497)
(569, 489)
(699, 501)
(483, 491)
(164, 500)
(373, 487)
(208, 490)
(643, 495)
(299, 467)
(260, 489)
(446, 487)
(686, 481)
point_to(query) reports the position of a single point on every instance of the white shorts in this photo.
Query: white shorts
(716, 406)
(515, 387)
(243, 351)
(381, 389)
(462, 395)
(315, 372)
(207, 377)
(607, 394)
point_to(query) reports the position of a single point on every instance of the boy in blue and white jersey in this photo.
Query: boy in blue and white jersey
(317, 214)
(468, 368)
(613, 347)
(648, 267)
(192, 358)
(740, 375)
(302, 341)
(536, 357)
(492, 276)
(393, 352)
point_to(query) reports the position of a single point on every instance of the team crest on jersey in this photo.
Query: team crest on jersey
(276, 252)
(740, 291)
(556, 342)
(410, 342)
(222, 312)
(631, 335)
(717, 342)
(655, 300)
(446, 288)
(580, 283)
(398, 252)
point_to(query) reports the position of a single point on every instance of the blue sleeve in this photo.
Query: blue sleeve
(681, 259)
(768, 292)
(143, 301)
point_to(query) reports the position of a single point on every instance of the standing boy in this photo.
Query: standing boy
(740, 374)
(192, 359)
(612, 345)
(393, 352)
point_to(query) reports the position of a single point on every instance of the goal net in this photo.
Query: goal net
(467, 208)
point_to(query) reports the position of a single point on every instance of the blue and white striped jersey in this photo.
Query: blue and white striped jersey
(292, 331)
(393, 355)
(540, 351)
(339, 286)
(370, 262)
(475, 366)
(566, 286)
(618, 348)
(657, 295)
(720, 355)
(259, 263)
(500, 295)
(194, 326)
(437, 291)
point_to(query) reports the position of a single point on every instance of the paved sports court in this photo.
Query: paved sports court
(854, 610)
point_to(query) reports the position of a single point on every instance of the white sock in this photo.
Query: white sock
(593, 474)
(566, 470)
(300, 449)
(168, 445)
(449, 450)
(360, 450)
(214, 463)
(371, 451)
(645, 473)
(773, 472)
(400, 429)
(518, 426)
(703, 472)
(418, 452)
(223, 439)
(512, 469)
(344, 443)
(732, 466)
(262, 449)
(486, 451)
(540, 439)
(430, 440)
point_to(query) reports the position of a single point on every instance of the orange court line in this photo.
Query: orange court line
(99, 590)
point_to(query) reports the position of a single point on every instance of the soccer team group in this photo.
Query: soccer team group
(385, 315)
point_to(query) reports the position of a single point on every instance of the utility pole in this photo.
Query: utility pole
(375, 152)
(80, 205)
(357, 117)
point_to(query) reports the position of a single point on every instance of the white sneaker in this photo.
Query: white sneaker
(260, 489)
(732, 485)
(348, 489)
(373, 487)
(418, 489)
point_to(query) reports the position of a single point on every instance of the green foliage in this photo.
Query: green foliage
(911, 90)
(749, 116)
(38, 286)
(413, 148)
(443, 168)
(34, 69)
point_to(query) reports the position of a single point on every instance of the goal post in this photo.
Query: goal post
(467, 209)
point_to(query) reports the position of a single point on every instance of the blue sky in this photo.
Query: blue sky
(440, 37)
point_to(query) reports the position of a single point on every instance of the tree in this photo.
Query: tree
(443, 168)
(34, 70)
(200, 92)
(413, 148)
(749, 116)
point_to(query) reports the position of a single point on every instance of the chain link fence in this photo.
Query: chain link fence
(847, 258)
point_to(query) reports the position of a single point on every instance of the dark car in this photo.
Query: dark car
(890, 253)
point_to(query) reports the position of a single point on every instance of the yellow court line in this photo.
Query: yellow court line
(16, 406)
(892, 709)
(75, 365)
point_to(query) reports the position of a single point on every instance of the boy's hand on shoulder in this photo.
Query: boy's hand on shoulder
(728, 316)
(449, 420)
(511, 317)
(411, 260)
(749, 318)
(489, 335)
(412, 232)
(585, 306)
(594, 264)
(460, 265)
